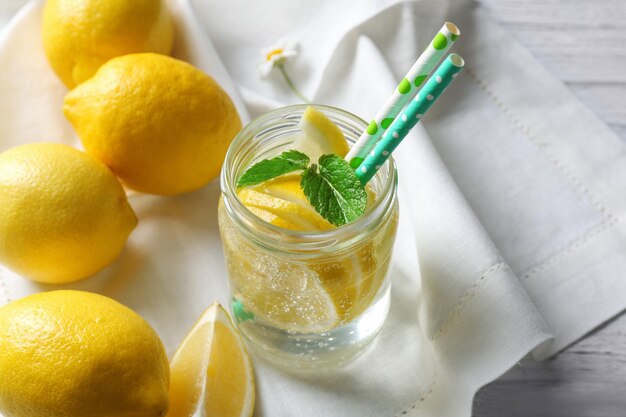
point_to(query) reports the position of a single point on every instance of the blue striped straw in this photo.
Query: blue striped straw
(409, 117)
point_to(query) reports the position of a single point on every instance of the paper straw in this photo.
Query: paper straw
(406, 90)
(409, 117)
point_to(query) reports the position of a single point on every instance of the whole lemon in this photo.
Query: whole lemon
(160, 124)
(63, 214)
(78, 354)
(81, 35)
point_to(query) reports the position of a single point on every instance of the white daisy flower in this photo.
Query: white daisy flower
(276, 55)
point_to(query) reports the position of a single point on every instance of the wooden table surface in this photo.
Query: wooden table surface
(583, 43)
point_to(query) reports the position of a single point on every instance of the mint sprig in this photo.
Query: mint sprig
(331, 187)
(267, 169)
(335, 191)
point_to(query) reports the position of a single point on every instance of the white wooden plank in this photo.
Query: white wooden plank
(587, 380)
(620, 129)
(570, 12)
(608, 100)
(578, 40)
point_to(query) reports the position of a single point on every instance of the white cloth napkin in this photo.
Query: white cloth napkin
(508, 175)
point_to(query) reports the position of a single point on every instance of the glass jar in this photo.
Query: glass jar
(306, 298)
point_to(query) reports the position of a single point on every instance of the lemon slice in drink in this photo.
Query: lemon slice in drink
(286, 187)
(310, 298)
(319, 136)
(212, 370)
(287, 297)
(351, 282)
(304, 298)
(271, 218)
(294, 213)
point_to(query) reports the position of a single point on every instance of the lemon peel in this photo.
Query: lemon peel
(212, 371)
(77, 354)
(81, 35)
(158, 123)
(63, 214)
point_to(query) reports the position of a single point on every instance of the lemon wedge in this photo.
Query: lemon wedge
(319, 136)
(211, 372)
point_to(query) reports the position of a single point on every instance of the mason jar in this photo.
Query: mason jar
(306, 298)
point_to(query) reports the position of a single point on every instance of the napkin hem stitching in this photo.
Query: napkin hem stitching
(573, 246)
(430, 390)
(469, 294)
(583, 191)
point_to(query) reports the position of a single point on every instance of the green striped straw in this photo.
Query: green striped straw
(410, 116)
(406, 90)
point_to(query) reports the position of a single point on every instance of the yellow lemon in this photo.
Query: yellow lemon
(77, 354)
(63, 214)
(81, 35)
(211, 371)
(319, 135)
(160, 124)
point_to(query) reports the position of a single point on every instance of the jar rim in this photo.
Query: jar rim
(304, 241)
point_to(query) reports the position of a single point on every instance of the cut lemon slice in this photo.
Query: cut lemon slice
(211, 373)
(319, 136)
(294, 213)
(289, 297)
(271, 218)
(286, 187)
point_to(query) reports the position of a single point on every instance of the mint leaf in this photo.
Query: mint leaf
(335, 191)
(267, 169)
